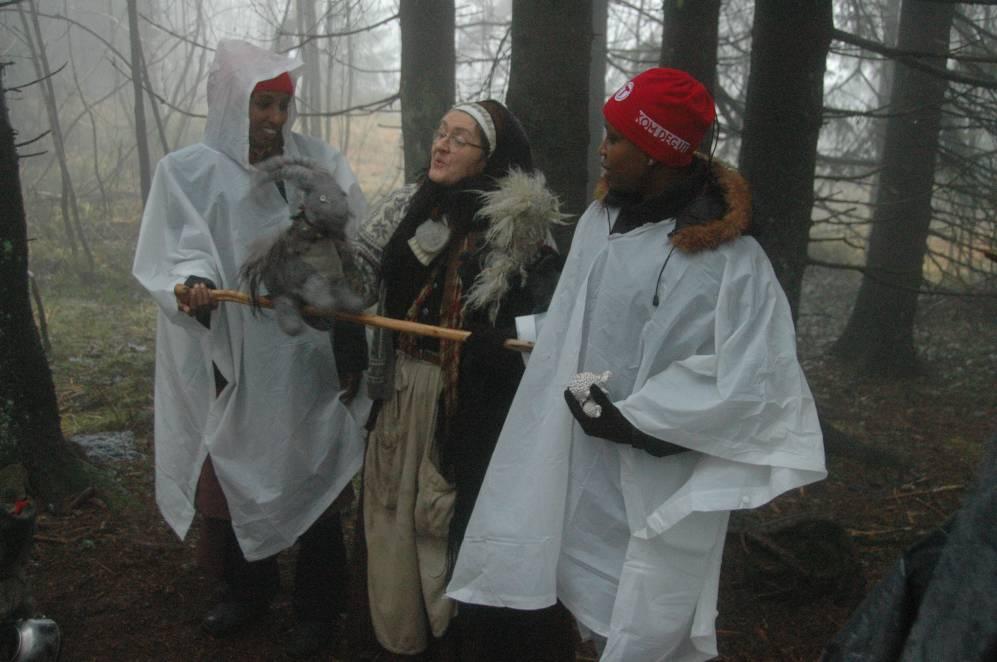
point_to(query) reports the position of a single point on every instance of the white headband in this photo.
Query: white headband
(484, 119)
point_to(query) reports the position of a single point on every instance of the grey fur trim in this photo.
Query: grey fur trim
(519, 213)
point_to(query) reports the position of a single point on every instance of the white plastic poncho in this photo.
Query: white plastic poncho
(282, 444)
(630, 543)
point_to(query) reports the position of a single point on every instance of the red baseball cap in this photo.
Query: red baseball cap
(281, 83)
(665, 112)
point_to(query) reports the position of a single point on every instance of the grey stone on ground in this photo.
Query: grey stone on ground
(108, 446)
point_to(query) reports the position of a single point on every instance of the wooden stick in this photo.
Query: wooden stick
(43, 538)
(82, 497)
(881, 532)
(934, 490)
(389, 323)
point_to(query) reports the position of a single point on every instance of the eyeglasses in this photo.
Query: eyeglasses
(455, 140)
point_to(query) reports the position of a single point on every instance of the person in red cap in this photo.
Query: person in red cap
(258, 435)
(684, 401)
(268, 106)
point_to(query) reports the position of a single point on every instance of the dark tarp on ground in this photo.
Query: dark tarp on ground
(940, 600)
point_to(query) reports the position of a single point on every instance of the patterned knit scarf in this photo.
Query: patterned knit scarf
(451, 317)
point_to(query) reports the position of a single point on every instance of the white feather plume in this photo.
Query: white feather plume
(519, 212)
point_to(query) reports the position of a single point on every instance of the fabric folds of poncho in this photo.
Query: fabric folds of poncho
(712, 367)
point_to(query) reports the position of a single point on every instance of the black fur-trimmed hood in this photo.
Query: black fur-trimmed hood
(718, 213)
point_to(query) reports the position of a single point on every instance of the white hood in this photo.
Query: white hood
(282, 443)
(237, 68)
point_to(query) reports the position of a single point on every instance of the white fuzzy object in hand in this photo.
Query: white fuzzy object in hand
(580, 386)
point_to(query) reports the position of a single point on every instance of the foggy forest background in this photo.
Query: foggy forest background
(124, 83)
(865, 128)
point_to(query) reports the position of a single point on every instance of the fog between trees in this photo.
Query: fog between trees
(867, 129)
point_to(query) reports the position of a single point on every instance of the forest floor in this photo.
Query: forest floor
(122, 587)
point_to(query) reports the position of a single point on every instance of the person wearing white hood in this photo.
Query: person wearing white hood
(618, 506)
(257, 431)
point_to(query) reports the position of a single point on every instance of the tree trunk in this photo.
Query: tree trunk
(141, 135)
(30, 433)
(549, 92)
(154, 105)
(884, 86)
(597, 91)
(70, 210)
(689, 43)
(782, 120)
(427, 78)
(347, 87)
(880, 331)
(183, 94)
(88, 109)
(331, 68)
(311, 94)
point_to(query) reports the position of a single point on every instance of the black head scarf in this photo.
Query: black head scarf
(459, 203)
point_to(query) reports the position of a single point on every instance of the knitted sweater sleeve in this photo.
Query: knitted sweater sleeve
(373, 236)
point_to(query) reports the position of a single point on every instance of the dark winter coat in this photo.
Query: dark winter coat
(506, 269)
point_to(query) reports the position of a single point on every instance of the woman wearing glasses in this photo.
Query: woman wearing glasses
(466, 247)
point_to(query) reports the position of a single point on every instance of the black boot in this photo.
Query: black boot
(307, 638)
(230, 616)
(251, 587)
(320, 587)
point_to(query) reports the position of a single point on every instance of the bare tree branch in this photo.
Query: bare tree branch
(640, 10)
(308, 38)
(83, 27)
(913, 60)
(174, 34)
(35, 139)
(20, 88)
(372, 106)
(872, 273)
(888, 51)
(964, 2)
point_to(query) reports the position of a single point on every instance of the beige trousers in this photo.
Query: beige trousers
(407, 508)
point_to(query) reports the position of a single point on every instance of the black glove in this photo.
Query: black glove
(194, 280)
(317, 322)
(349, 346)
(613, 426)
(204, 316)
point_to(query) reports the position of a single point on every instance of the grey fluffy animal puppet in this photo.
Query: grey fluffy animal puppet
(307, 263)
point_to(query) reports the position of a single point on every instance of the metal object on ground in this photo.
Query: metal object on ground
(33, 640)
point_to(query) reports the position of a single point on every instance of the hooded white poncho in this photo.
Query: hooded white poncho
(630, 543)
(282, 444)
